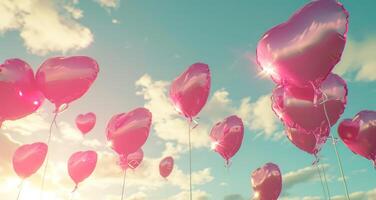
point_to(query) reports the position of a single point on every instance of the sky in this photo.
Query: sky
(141, 46)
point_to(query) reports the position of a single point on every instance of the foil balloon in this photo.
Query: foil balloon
(28, 158)
(165, 166)
(266, 182)
(127, 132)
(85, 122)
(294, 104)
(304, 50)
(227, 137)
(359, 134)
(19, 94)
(65, 79)
(189, 91)
(81, 165)
(132, 161)
(309, 142)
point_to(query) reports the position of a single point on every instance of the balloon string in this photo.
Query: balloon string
(326, 181)
(190, 158)
(123, 189)
(322, 183)
(47, 156)
(334, 142)
(21, 187)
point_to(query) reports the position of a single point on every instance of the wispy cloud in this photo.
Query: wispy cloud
(358, 60)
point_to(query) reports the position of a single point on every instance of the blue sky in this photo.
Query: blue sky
(141, 46)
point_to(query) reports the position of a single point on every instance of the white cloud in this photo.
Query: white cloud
(75, 12)
(300, 176)
(28, 125)
(358, 60)
(360, 195)
(197, 194)
(44, 25)
(115, 21)
(263, 118)
(108, 3)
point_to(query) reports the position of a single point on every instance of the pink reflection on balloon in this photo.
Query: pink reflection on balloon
(81, 165)
(293, 104)
(65, 79)
(190, 90)
(267, 182)
(127, 132)
(359, 134)
(85, 122)
(227, 137)
(132, 161)
(310, 142)
(28, 158)
(166, 166)
(303, 50)
(19, 94)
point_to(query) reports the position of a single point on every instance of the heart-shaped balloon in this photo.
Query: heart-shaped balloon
(132, 161)
(304, 50)
(227, 137)
(127, 132)
(267, 182)
(359, 134)
(310, 142)
(65, 79)
(189, 91)
(28, 158)
(166, 166)
(19, 94)
(306, 110)
(81, 165)
(85, 122)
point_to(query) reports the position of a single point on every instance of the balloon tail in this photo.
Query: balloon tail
(190, 158)
(74, 191)
(195, 122)
(20, 189)
(334, 142)
(123, 189)
(47, 156)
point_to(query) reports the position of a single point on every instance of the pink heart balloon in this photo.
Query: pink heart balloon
(309, 142)
(65, 79)
(359, 134)
(189, 91)
(127, 132)
(293, 104)
(267, 182)
(132, 161)
(28, 158)
(81, 165)
(227, 137)
(85, 122)
(304, 50)
(19, 95)
(166, 166)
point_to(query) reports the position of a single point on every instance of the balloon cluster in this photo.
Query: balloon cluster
(61, 80)
(298, 55)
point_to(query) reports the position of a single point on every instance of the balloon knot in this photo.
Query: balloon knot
(74, 189)
(317, 160)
